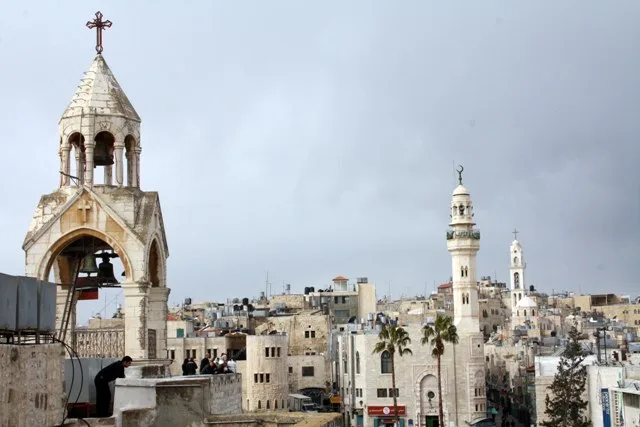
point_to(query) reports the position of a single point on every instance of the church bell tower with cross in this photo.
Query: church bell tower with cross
(99, 213)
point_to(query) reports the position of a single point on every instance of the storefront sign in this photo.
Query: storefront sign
(385, 411)
(606, 407)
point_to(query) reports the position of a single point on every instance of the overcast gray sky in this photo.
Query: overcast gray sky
(311, 139)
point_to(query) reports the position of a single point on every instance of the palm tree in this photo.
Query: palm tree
(442, 331)
(394, 340)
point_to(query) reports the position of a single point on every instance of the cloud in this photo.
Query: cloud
(319, 139)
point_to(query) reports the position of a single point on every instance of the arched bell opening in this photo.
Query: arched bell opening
(103, 156)
(78, 158)
(84, 259)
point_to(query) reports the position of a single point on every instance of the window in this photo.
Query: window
(267, 378)
(308, 371)
(631, 400)
(391, 393)
(269, 407)
(382, 392)
(266, 352)
(275, 406)
(385, 362)
(273, 352)
(344, 300)
(259, 404)
(255, 378)
(309, 334)
(335, 300)
(173, 354)
(291, 369)
(357, 362)
(215, 353)
(345, 366)
(261, 378)
(533, 312)
(278, 352)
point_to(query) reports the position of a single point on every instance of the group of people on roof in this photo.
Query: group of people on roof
(209, 366)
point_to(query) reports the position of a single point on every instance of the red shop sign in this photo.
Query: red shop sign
(386, 410)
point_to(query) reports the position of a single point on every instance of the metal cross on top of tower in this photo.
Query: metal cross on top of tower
(99, 25)
(515, 234)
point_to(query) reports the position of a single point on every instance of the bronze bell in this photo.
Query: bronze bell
(102, 155)
(89, 264)
(105, 270)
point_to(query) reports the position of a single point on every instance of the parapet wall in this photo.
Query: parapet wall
(32, 385)
(180, 400)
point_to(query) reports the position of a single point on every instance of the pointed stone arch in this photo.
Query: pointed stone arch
(46, 263)
(155, 264)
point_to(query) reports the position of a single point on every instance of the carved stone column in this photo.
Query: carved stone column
(79, 165)
(157, 318)
(88, 173)
(108, 175)
(66, 165)
(118, 150)
(135, 319)
(136, 167)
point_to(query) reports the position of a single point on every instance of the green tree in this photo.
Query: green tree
(394, 340)
(566, 408)
(442, 331)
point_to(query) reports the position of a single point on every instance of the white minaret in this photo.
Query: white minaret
(463, 242)
(516, 271)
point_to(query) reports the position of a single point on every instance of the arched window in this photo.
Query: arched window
(385, 362)
(516, 280)
(525, 313)
(461, 209)
(533, 312)
(357, 362)
(461, 271)
(466, 271)
(268, 404)
(515, 260)
(275, 404)
(259, 404)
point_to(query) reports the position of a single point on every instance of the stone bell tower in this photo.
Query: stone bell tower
(99, 211)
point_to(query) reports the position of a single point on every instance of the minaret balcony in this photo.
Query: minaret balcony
(463, 234)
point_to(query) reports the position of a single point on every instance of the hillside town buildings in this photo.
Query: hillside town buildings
(99, 229)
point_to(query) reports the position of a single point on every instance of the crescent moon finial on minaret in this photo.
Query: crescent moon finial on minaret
(460, 170)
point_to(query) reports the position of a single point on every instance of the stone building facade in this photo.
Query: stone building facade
(364, 379)
(266, 381)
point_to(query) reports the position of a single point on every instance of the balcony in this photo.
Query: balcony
(463, 234)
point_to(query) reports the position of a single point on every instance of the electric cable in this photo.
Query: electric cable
(72, 354)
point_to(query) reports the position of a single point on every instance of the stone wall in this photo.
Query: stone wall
(299, 328)
(177, 401)
(266, 380)
(32, 385)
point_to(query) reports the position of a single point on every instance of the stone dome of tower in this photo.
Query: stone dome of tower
(100, 93)
(527, 302)
(460, 190)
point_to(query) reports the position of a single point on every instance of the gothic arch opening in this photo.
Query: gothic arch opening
(84, 258)
(154, 266)
(429, 395)
(77, 156)
(103, 156)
